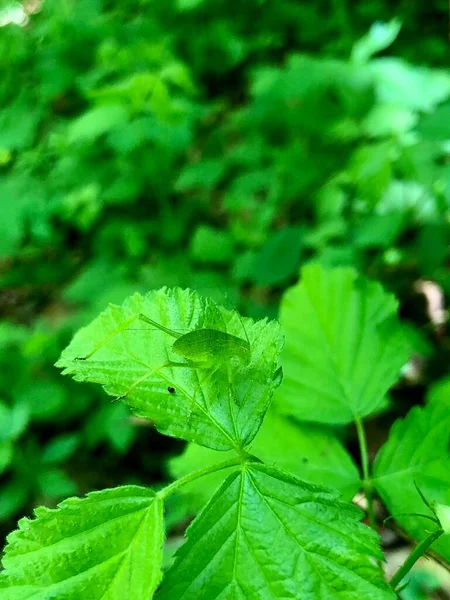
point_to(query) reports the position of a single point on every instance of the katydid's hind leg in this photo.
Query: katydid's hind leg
(107, 339)
(149, 321)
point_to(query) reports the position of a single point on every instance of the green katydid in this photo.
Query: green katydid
(203, 348)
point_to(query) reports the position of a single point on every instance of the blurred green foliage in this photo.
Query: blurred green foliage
(178, 142)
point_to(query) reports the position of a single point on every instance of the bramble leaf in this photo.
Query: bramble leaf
(442, 512)
(267, 535)
(416, 454)
(107, 546)
(311, 453)
(221, 407)
(97, 121)
(344, 346)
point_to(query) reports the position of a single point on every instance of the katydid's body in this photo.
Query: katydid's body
(205, 348)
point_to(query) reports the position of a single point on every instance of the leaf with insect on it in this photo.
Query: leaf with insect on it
(220, 406)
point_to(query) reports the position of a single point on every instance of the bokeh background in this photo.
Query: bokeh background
(192, 142)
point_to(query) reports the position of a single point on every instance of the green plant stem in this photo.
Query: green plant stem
(367, 484)
(418, 551)
(171, 488)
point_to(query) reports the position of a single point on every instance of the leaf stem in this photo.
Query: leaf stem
(418, 551)
(367, 483)
(172, 487)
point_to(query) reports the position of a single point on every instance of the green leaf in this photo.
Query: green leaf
(380, 36)
(436, 126)
(13, 421)
(370, 168)
(43, 398)
(411, 198)
(6, 455)
(160, 99)
(15, 204)
(13, 497)
(18, 124)
(221, 407)
(204, 174)
(279, 258)
(442, 512)
(60, 448)
(268, 535)
(439, 392)
(344, 346)
(185, 5)
(416, 453)
(110, 422)
(311, 453)
(209, 245)
(387, 119)
(54, 483)
(106, 546)
(401, 84)
(97, 121)
(379, 230)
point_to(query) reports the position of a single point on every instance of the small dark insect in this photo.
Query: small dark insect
(171, 390)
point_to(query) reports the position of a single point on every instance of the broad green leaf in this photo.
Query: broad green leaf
(43, 398)
(267, 535)
(112, 423)
(416, 453)
(370, 168)
(107, 546)
(97, 121)
(279, 258)
(379, 230)
(54, 483)
(210, 245)
(436, 125)
(389, 119)
(410, 198)
(6, 455)
(160, 99)
(399, 83)
(60, 448)
(344, 346)
(439, 392)
(442, 512)
(185, 5)
(204, 175)
(15, 204)
(13, 421)
(18, 124)
(314, 454)
(221, 407)
(13, 497)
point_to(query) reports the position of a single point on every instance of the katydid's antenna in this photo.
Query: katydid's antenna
(234, 309)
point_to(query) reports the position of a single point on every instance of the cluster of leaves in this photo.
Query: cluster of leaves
(116, 143)
(267, 528)
(136, 153)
